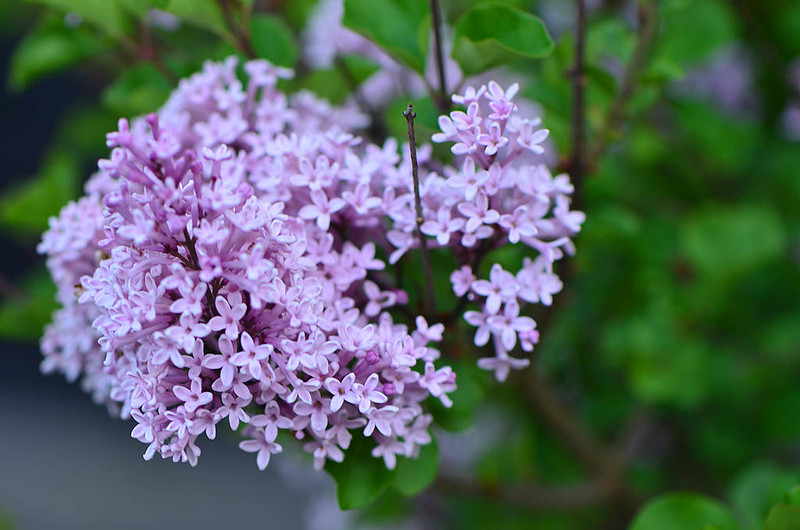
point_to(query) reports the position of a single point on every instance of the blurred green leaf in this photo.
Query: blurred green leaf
(691, 31)
(758, 487)
(724, 242)
(400, 27)
(50, 47)
(676, 376)
(138, 90)
(205, 14)
(273, 40)
(107, 15)
(328, 84)
(722, 141)
(684, 511)
(610, 37)
(780, 416)
(792, 496)
(360, 478)
(26, 208)
(298, 11)
(336, 84)
(487, 36)
(661, 71)
(413, 475)
(24, 316)
(783, 517)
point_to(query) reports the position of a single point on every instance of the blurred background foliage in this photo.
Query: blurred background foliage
(677, 338)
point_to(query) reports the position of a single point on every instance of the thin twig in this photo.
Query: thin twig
(430, 301)
(147, 51)
(606, 464)
(240, 35)
(531, 496)
(543, 399)
(577, 166)
(647, 32)
(443, 101)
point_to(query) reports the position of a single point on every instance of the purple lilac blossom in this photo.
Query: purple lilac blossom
(497, 198)
(225, 264)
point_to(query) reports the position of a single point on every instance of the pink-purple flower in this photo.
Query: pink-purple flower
(215, 282)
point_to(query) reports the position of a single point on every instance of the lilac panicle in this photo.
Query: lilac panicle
(499, 196)
(224, 265)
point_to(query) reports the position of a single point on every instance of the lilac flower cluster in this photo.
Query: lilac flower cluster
(224, 266)
(499, 197)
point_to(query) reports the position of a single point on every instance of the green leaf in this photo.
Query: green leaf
(727, 143)
(205, 14)
(758, 487)
(272, 40)
(413, 475)
(684, 511)
(298, 11)
(783, 517)
(610, 36)
(693, 30)
(487, 36)
(138, 90)
(23, 317)
(662, 70)
(25, 209)
(360, 478)
(50, 47)
(107, 15)
(724, 242)
(793, 496)
(400, 27)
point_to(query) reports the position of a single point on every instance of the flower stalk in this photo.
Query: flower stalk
(430, 299)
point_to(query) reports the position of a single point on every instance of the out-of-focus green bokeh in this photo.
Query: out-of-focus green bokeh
(682, 305)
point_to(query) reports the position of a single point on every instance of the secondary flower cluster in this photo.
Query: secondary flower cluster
(498, 197)
(221, 268)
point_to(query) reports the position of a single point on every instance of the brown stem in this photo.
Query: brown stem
(543, 399)
(769, 52)
(577, 166)
(443, 101)
(532, 496)
(647, 32)
(606, 464)
(430, 301)
(240, 35)
(147, 51)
